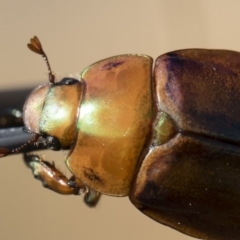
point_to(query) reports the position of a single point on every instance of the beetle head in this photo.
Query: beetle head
(51, 110)
(33, 108)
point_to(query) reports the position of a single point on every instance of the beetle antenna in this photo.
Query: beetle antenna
(36, 46)
(5, 151)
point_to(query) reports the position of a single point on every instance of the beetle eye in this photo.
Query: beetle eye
(68, 81)
(53, 143)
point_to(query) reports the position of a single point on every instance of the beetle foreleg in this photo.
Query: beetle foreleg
(51, 177)
(55, 180)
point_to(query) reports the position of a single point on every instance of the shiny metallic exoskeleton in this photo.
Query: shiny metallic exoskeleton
(167, 136)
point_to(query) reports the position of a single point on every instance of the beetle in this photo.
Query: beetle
(167, 137)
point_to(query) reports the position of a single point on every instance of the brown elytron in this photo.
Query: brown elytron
(191, 182)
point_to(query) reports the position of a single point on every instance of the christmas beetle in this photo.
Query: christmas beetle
(169, 138)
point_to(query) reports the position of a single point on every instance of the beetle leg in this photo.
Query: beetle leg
(50, 176)
(55, 180)
(91, 197)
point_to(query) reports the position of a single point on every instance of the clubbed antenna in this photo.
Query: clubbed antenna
(36, 46)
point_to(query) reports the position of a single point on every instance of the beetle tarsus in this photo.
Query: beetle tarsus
(92, 197)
